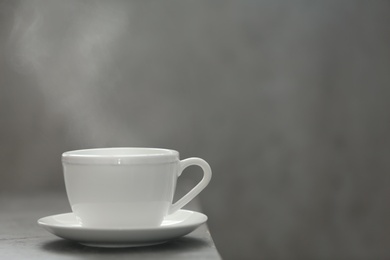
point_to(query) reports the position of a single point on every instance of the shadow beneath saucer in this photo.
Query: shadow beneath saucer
(66, 247)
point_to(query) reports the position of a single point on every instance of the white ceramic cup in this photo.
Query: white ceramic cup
(126, 187)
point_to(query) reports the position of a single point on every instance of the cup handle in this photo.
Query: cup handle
(198, 188)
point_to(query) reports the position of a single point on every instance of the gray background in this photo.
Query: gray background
(287, 100)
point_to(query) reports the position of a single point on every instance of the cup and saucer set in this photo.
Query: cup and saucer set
(122, 197)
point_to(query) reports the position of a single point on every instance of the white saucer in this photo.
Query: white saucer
(175, 225)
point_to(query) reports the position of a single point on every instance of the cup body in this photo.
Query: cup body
(121, 187)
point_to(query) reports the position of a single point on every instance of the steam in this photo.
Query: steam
(67, 47)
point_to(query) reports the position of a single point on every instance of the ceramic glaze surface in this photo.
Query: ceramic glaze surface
(126, 187)
(173, 226)
(114, 195)
(120, 155)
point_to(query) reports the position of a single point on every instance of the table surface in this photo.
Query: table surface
(22, 238)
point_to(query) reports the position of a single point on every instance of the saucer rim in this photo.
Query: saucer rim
(202, 219)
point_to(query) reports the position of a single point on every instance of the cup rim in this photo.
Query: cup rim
(120, 156)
